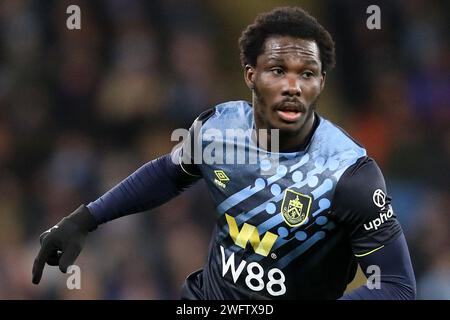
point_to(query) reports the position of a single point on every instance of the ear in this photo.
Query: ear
(322, 82)
(249, 76)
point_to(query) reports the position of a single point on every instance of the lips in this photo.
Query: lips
(289, 111)
(289, 116)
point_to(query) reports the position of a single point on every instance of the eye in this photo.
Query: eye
(277, 71)
(307, 74)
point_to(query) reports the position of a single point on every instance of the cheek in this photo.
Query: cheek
(312, 90)
(267, 87)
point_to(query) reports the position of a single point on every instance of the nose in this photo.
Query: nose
(292, 86)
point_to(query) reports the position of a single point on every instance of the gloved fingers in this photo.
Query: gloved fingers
(44, 234)
(39, 262)
(53, 258)
(42, 237)
(69, 256)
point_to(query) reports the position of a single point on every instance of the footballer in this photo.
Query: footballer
(295, 223)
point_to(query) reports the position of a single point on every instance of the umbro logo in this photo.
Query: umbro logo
(221, 178)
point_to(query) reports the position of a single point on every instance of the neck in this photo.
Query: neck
(288, 141)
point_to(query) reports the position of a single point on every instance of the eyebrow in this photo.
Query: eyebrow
(306, 61)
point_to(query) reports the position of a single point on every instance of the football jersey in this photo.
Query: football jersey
(288, 224)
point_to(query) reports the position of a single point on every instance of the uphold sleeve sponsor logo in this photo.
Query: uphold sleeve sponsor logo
(377, 222)
(379, 199)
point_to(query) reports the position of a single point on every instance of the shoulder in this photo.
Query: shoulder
(363, 206)
(363, 176)
(362, 188)
(231, 114)
(226, 111)
(333, 145)
(335, 139)
(231, 107)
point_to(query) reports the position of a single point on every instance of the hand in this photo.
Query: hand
(61, 244)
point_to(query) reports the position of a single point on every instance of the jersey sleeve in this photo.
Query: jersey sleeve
(188, 154)
(155, 183)
(152, 185)
(363, 207)
(389, 272)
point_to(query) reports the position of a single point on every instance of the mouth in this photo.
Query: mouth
(289, 111)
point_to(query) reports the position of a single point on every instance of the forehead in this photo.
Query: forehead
(282, 47)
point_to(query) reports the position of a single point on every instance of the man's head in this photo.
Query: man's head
(286, 54)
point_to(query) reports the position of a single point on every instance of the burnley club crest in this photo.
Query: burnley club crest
(295, 208)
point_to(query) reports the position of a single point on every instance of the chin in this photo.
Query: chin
(288, 127)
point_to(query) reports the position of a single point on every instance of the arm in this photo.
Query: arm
(397, 280)
(364, 209)
(150, 186)
(153, 184)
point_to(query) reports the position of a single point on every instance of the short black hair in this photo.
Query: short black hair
(285, 21)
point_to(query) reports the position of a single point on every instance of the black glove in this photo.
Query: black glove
(61, 244)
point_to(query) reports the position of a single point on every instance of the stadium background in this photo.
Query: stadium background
(80, 110)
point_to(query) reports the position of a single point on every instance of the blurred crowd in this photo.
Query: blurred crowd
(82, 109)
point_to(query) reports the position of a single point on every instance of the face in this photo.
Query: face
(286, 83)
